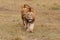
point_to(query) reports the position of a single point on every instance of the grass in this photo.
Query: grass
(54, 8)
(47, 25)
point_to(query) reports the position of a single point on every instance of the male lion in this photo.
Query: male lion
(28, 17)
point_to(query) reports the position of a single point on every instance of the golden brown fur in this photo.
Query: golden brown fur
(28, 17)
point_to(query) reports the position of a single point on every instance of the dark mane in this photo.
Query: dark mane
(30, 9)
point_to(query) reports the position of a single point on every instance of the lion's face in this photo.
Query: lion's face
(29, 17)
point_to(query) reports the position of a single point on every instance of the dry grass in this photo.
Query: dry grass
(47, 20)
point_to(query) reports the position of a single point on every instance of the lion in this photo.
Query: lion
(28, 17)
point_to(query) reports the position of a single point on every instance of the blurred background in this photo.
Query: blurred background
(47, 26)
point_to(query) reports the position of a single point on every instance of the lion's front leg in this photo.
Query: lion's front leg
(30, 27)
(25, 24)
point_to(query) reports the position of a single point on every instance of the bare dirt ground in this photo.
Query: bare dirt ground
(47, 25)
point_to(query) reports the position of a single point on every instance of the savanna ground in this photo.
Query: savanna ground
(47, 25)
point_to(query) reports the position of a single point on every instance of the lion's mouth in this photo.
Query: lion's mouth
(29, 20)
